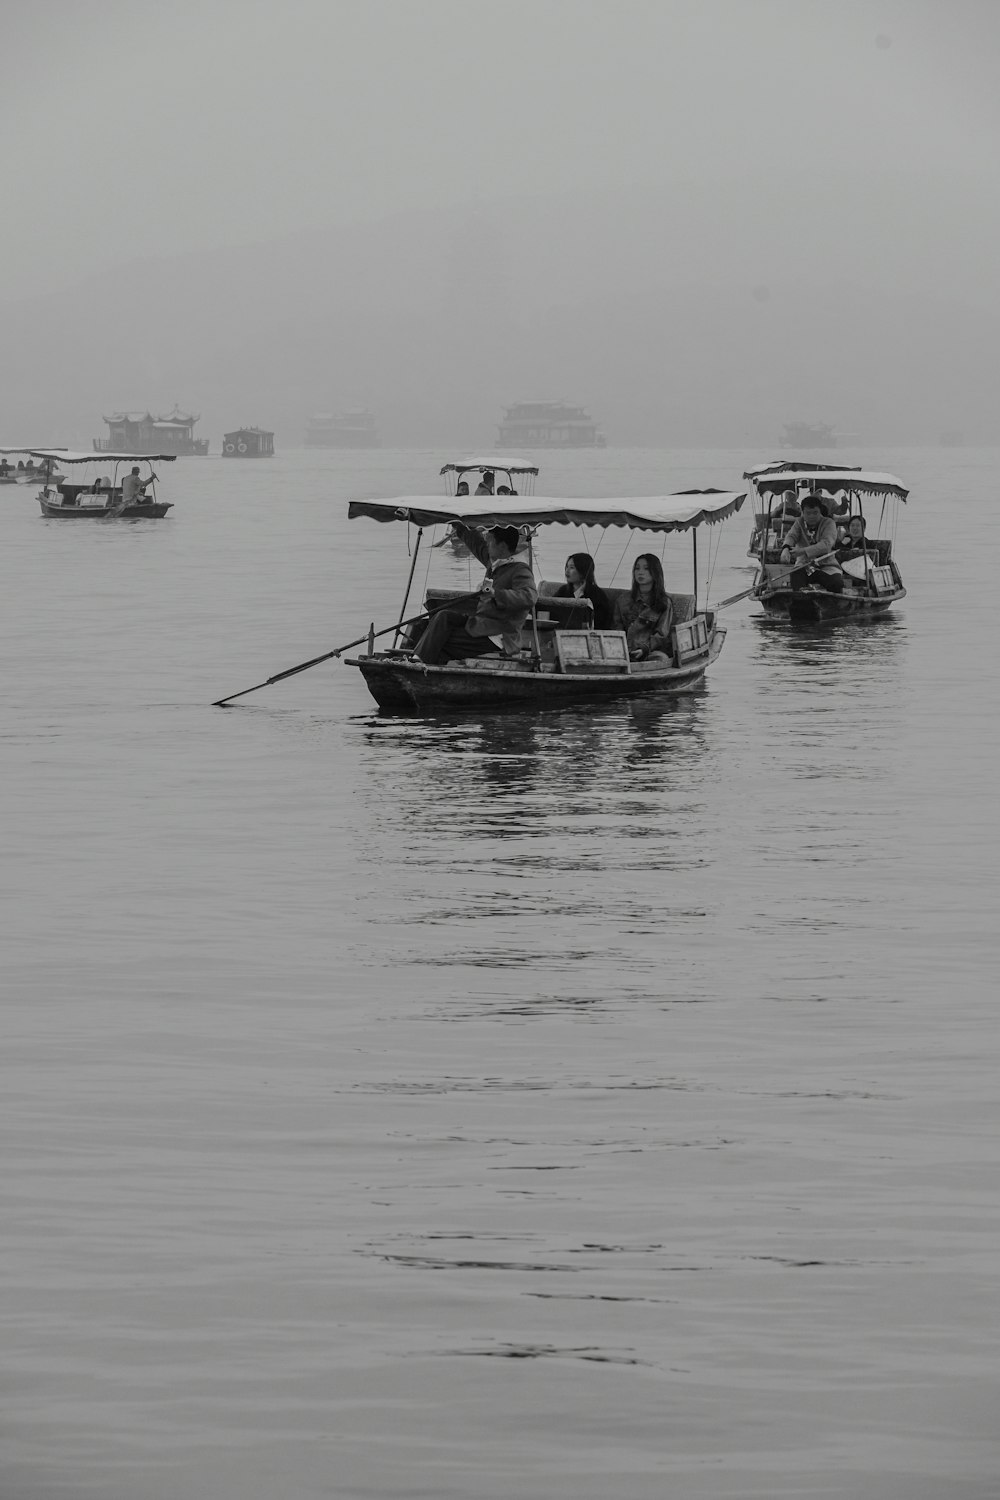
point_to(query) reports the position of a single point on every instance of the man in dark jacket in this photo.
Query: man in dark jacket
(811, 544)
(504, 603)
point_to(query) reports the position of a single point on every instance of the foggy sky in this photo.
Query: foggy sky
(558, 166)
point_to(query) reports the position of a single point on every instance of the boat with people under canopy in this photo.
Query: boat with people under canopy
(789, 468)
(501, 477)
(562, 658)
(17, 466)
(106, 496)
(871, 578)
(517, 475)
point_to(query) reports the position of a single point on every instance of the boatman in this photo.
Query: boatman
(133, 488)
(504, 604)
(811, 544)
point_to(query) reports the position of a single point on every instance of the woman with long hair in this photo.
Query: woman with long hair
(581, 584)
(646, 614)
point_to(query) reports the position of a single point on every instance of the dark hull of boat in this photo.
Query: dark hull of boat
(809, 606)
(403, 685)
(154, 512)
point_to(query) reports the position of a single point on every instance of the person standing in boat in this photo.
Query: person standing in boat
(646, 614)
(505, 602)
(485, 485)
(581, 584)
(811, 544)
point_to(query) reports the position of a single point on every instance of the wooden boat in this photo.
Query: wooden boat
(808, 435)
(517, 475)
(17, 466)
(85, 499)
(562, 659)
(872, 581)
(789, 469)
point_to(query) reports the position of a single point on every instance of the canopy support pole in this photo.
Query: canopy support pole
(409, 585)
(694, 549)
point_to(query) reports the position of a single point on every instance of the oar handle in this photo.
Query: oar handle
(777, 578)
(304, 666)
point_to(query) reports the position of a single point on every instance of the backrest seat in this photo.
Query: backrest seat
(684, 604)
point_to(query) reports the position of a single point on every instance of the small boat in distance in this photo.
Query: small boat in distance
(352, 429)
(108, 495)
(871, 578)
(562, 658)
(248, 442)
(518, 475)
(502, 477)
(548, 424)
(808, 435)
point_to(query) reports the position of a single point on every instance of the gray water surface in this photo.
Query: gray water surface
(585, 1105)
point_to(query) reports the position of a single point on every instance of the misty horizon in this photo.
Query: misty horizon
(699, 223)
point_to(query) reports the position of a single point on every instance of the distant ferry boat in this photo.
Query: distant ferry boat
(354, 429)
(548, 424)
(248, 442)
(142, 432)
(808, 435)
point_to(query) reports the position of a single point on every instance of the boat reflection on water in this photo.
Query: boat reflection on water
(582, 750)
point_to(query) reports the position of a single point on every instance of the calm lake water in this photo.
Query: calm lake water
(584, 1105)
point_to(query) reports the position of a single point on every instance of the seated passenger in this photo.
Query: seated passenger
(462, 487)
(854, 542)
(811, 544)
(581, 584)
(646, 615)
(485, 485)
(784, 511)
(494, 625)
(504, 489)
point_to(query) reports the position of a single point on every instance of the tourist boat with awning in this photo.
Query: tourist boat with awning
(872, 580)
(562, 658)
(18, 466)
(790, 468)
(98, 498)
(518, 475)
(514, 476)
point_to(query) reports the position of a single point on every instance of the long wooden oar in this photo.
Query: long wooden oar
(372, 635)
(774, 579)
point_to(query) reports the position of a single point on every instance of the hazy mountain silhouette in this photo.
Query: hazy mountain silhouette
(698, 313)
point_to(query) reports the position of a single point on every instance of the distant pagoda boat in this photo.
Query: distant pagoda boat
(808, 435)
(353, 429)
(142, 432)
(248, 442)
(548, 424)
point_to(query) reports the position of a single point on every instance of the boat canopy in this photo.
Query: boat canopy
(789, 466)
(854, 481)
(102, 456)
(490, 465)
(678, 512)
(34, 452)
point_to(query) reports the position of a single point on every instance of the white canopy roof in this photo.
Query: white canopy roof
(33, 452)
(641, 513)
(484, 465)
(787, 465)
(856, 481)
(63, 456)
